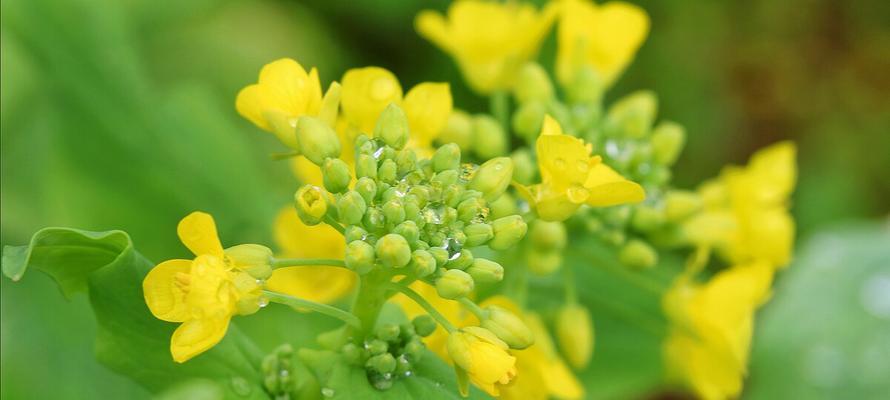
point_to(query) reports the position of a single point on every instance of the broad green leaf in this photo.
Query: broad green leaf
(130, 340)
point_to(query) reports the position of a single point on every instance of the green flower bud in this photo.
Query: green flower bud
(424, 325)
(503, 206)
(446, 157)
(546, 235)
(415, 349)
(458, 130)
(377, 346)
(533, 83)
(421, 193)
(336, 175)
(412, 209)
(392, 127)
(460, 260)
(478, 234)
(524, 168)
(393, 251)
(254, 259)
(445, 178)
(543, 262)
(632, 116)
(352, 353)
(667, 142)
(388, 171)
(470, 209)
(508, 327)
(452, 195)
(367, 188)
(486, 271)
(351, 207)
(311, 204)
(528, 119)
(493, 177)
(359, 256)
(394, 211)
(440, 255)
(354, 232)
(406, 161)
(680, 204)
(489, 138)
(374, 220)
(587, 86)
(508, 231)
(388, 332)
(317, 140)
(382, 363)
(422, 263)
(638, 254)
(454, 284)
(647, 218)
(408, 230)
(575, 335)
(365, 166)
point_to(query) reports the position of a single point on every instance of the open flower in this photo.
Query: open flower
(480, 355)
(489, 40)
(572, 177)
(602, 37)
(203, 294)
(711, 325)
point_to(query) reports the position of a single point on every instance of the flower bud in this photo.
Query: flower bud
(587, 86)
(351, 207)
(374, 219)
(352, 353)
(460, 260)
(367, 188)
(486, 271)
(532, 83)
(508, 327)
(503, 206)
(632, 116)
(638, 254)
(667, 142)
(470, 209)
(528, 119)
(406, 161)
(354, 232)
(440, 255)
(387, 332)
(336, 175)
(392, 127)
(394, 211)
(543, 262)
(524, 167)
(365, 166)
(359, 256)
(388, 171)
(493, 177)
(446, 157)
(424, 325)
(393, 251)
(382, 363)
(574, 333)
(422, 263)
(454, 284)
(478, 234)
(317, 140)
(412, 209)
(647, 218)
(458, 130)
(445, 178)
(508, 231)
(421, 193)
(311, 204)
(546, 236)
(415, 349)
(408, 230)
(452, 195)
(489, 138)
(680, 204)
(254, 259)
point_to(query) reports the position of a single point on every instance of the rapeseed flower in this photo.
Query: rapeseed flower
(483, 358)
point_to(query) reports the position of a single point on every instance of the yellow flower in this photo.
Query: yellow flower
(571, 177)
(284, 92)
(711, 325)
(367, 91)
(296, 239)
(746, 209)
(480, 355)
(490, 41)
(541, 373)
(602, 37)
(203, 294)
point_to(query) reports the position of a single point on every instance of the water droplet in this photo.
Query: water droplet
(559, 163)
(875, 296)
(378, 153)
(453, 247)
(292, 122)
(263, 301)
(387, 376)
(578, 194)
(240, 386)
(284, 373)
(408, 373)
(327, 392)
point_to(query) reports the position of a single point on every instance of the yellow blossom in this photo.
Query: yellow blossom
(490, 41)
(572, 177)
(745, 213)
(479, 355)
(203, 294)
(711, 325)
(296, 239)
(283, 93)
(602, 37)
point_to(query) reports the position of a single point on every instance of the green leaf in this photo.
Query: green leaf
(130, 340)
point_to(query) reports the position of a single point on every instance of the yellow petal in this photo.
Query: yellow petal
(564, 161)
(431, 25)
(196, 336)
(164, 297)
(365, 93)
(250, 105)
(284, 92)
(427, 106)
(608, 188)
(197, 231)
(775, 170)
(554, 206)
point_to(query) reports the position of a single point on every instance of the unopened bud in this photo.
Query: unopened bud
(317, 140)
(546, 236)
(359, 256)
(408, 230)
(446, 157)
(394, 211)
(470, 209)
(458, 130)
(406, 161)
(454, 284)
(382, 363)
(544, 262)
(388, 332)
(533, 83)
(632, 116)
(440, 255)
(392, 127)
(647, 218)
(680, 204)
(486, 271)
(587, 86)
(367, 188)
(508, 231)
(365, 166)
(336, 175)
(460, 260)
(445, 178)
(503, 206)
(374, 219)
(528, 119)
(424, 325)
(508, 327)
(351, 207)
(311, 204)
(493, 177)
(393, 251)
(254, 259)
(422, 263)
(574, 333)
(388, 171)
(638, 254)
(667, 142)
(478, 234)
(354, 232)
(489, 138)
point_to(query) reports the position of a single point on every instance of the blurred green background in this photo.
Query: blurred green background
(120, 115)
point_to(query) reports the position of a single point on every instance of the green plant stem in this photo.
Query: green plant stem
(296, 302)
(297, 262)
(334, 224)
(424, 304)
(499, 106)
(371, 296)
(571, 292)
(473, 307)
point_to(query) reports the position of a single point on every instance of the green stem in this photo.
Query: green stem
(571, 292)
(334, 224)
(297, 262)
(473, 307)
(369, 301)
(295, 302)
(423, 303)
(499, 106)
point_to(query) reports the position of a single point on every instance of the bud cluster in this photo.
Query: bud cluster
(390, 352)
(278, 373)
